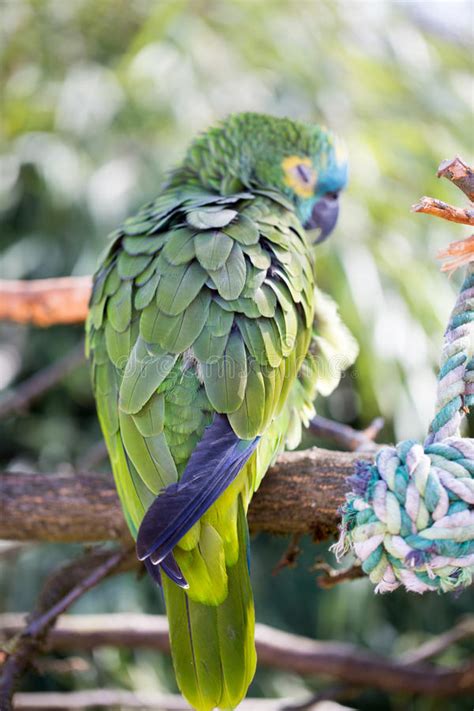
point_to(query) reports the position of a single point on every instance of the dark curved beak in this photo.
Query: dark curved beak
(324, 216)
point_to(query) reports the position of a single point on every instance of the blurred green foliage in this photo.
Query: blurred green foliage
(100, 98)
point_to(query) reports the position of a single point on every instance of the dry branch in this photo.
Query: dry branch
(346, 436)
(300, 494)
(277, 649)
(438, 208)
(458, 173)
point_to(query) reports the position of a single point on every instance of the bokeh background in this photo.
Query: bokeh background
(99, 99)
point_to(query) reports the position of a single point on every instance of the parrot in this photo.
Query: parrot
(209, 341)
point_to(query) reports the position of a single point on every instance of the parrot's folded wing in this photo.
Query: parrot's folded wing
(213, 465)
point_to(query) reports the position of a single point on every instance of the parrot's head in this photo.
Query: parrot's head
(304, 162)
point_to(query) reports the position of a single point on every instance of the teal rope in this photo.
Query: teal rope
(409, 518)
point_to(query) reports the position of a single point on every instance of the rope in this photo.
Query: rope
(409, 518)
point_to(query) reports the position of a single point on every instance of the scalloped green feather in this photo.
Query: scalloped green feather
(207, 346)
(150, 419)
(176, 333)
(259, 257)
(112, 282)
(208, 219)
(253, 338)
(213, 248)
(230, 278)
(143, 374)
(244, 230)
(179, 248)
(248, 419)
(151, 456)
(220, 320)
(119, 307)
(225, 378)
(129, 266)
(179, 286)
(144, 294)
(271, 339)
(118, 344)
(142, 245)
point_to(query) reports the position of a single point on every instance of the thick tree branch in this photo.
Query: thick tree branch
(277, 649)
(300, 494)
(45, 302)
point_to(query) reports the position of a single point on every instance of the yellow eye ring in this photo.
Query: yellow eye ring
(300, 175)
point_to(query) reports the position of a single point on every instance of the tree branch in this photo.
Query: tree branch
(31, 389)
(300, 494)
(45, 302)
(346, 436)
(119, 699)
(60, 590)
(460, 174)
(281, 650)
(438, 208)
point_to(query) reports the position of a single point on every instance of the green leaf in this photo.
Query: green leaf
(244, 230)
(175, 333)
(143, 374)
(230, 278)
(225, 378)
(212, 249)
(119, 306)
(179, 286)
(207, 219)
(179, 248)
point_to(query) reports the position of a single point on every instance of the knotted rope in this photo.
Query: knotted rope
(410, 516)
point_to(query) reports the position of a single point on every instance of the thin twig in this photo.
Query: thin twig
(459, 174)
(31, 389)
(438, 208)
(333, 576)
(290, 556)
(463, 630)
(61, 589)
(346, 436)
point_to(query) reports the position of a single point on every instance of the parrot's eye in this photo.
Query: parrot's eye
(305, 173)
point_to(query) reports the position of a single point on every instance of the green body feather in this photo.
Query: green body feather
(204, 303)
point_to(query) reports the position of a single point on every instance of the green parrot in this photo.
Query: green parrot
(208, 343)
